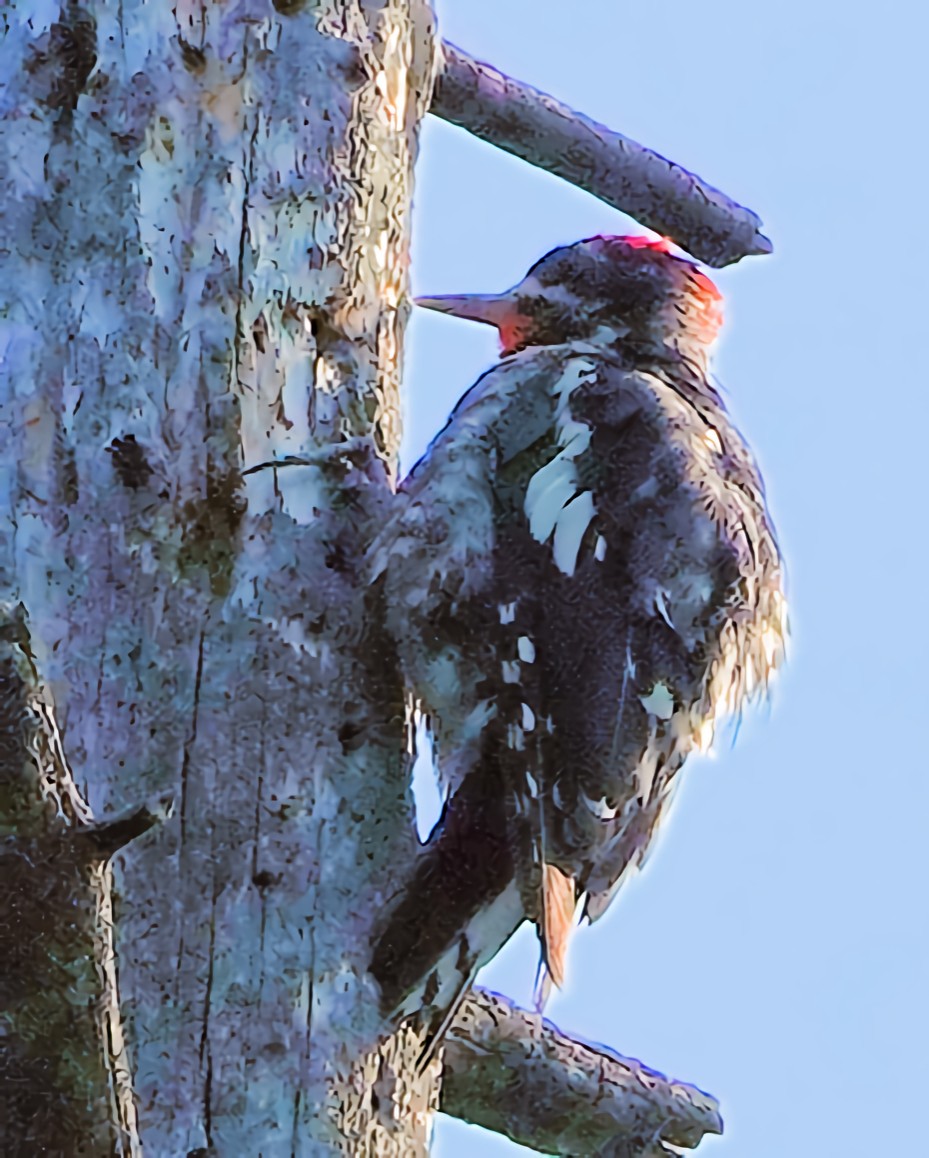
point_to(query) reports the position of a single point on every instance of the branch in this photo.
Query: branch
(514, 1073)
(539, 129)
(111, 835)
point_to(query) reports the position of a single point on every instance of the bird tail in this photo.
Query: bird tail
(459, 908)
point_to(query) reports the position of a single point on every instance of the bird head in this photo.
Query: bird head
(626, 291)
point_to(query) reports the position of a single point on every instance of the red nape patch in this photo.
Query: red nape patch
(659, 244)
(705, 287)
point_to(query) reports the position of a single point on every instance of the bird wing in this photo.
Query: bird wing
(579, 578)
(637, 551)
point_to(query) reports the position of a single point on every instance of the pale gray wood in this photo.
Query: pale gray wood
(515, 1073)
(205, 244)
(539, 129)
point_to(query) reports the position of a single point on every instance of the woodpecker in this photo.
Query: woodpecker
(583, 579)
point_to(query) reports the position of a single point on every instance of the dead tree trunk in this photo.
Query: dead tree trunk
(205, 263)
(204, 252)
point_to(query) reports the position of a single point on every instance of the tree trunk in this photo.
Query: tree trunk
(205, 250)
(204, 771)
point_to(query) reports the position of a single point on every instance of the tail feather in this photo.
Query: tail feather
(484, 935)
(458, 909)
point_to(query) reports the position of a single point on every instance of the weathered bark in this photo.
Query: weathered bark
(513, 1072)
(205, 250)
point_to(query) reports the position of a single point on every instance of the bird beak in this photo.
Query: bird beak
(495, 309)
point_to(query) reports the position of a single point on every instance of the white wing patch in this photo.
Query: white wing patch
(552, 488)
(569, 531)
(526, 649)
(428, 797)
(662, 607)
(554, 503)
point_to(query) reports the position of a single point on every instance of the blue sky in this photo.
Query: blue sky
(775, 949)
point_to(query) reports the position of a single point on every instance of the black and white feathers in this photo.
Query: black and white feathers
(583, 580)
